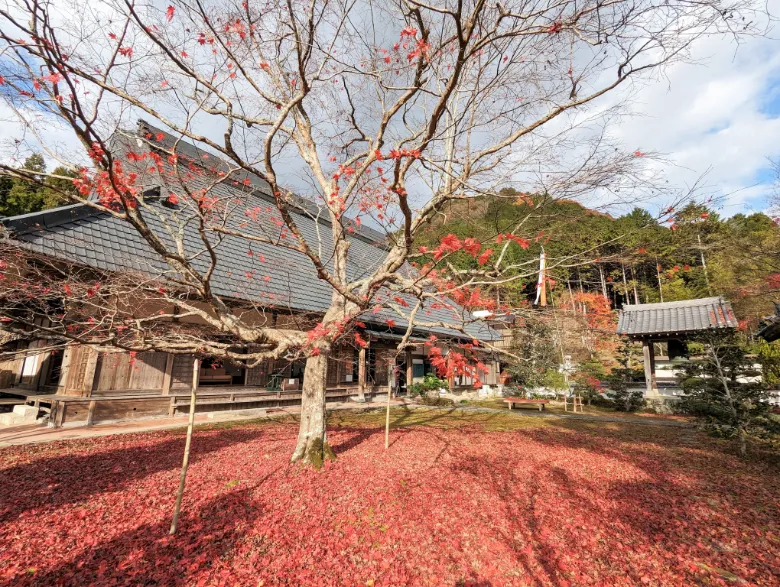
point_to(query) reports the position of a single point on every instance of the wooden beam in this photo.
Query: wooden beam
(166, 386)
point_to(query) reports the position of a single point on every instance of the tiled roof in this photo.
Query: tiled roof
(210, 161)
(272, 276)
(686, 316)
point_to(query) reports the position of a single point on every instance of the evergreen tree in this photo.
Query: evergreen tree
(626, 400)
(723, 387)
(20, 196)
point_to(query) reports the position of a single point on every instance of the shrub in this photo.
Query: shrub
(514, 390)
(601, 401)
(625, 399)
(628, 400)
(429, 383)
(723, 389)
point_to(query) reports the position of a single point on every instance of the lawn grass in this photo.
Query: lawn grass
(460, 498)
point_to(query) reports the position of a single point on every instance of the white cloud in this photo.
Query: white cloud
(719, 117)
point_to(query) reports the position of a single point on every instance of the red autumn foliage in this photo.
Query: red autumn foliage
(557, 505)
(523, 242)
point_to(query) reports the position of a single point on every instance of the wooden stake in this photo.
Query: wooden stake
(186, 461)
(391, 382)
(387, 423)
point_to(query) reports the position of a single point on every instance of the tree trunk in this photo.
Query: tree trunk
(603, 283)
(704, 265)
(312, 447)
(633, 279)
(660, 285)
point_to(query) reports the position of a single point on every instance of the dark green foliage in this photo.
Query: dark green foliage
(18, 196)
(588, 378)
(769, 357)
(627, 397)
(723, 387)
(534, 342)
(643, 259)
(429, 383)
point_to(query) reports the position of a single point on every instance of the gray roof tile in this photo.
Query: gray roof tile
(676, 317)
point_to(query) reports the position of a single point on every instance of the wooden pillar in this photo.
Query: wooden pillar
(362, 375)
(66, 354)
(89, 372)
(166, 386)
(409, 369)
(42, 361)
(649, 359)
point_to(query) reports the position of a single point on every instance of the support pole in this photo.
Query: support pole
(390, 385)
(186, 461)
(649, 359)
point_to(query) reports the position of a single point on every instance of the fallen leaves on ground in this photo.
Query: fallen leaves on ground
(452, 502)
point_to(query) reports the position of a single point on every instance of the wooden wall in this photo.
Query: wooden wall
(10, 371)
(123, 372)
(80, 360)
(342, 362)
(181, 376)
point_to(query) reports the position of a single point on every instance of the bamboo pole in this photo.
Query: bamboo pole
(390, 385)
(186, 461)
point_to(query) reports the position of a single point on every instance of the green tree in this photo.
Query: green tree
(41, 192)
(723, 387)
(621, 378)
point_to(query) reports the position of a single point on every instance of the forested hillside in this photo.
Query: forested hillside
(635, 258)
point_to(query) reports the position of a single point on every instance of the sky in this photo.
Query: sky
(716, 122)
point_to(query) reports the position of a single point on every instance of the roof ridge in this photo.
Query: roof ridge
(49, 218)
(696, 302)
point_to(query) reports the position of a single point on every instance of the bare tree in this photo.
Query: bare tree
(383, 114)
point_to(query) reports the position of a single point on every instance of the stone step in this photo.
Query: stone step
(10, 419)
(26, 413)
